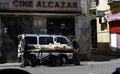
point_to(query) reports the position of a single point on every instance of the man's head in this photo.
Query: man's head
(72, 38)
(19, 37)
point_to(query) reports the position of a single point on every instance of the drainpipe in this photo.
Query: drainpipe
(89, 49)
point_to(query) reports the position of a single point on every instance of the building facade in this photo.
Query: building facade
(106, 18)
(114, 24)
(69, 18)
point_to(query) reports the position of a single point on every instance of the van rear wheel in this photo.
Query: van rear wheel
(33, 60)
(56, 61)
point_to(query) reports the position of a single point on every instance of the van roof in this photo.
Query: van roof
(41, 35)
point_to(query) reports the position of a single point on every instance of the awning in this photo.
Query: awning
(28, 12)
(113, 17)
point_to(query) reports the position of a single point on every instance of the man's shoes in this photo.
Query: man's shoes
(32, 65)
(22, 65)
(77, 63)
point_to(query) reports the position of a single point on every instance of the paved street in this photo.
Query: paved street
(107, 67)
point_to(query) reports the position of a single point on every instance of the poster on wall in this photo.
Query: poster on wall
(113, 17)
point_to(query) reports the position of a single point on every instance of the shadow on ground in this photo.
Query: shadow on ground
(103, 57)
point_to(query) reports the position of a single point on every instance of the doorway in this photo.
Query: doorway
(13, 25)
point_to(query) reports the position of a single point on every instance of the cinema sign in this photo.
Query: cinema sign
(68, 5)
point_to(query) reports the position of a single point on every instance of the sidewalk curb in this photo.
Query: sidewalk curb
(82, 62)
(9, 64)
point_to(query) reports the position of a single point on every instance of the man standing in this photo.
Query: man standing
(23, 47)
(75, 45)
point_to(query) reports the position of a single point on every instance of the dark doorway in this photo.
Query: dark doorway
(12, 26)
(94, 33)
(61, 26)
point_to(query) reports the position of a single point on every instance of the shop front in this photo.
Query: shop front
(114, 22)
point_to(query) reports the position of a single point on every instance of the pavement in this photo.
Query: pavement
(82, 62)
(18, 64)
(98, 59)
(87, 67)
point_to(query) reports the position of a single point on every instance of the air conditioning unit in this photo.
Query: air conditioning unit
(116, 0)
(110, 1)
(103, 19)
(93, 5)
(100, 13)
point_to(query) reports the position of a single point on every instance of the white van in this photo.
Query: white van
(38, 41)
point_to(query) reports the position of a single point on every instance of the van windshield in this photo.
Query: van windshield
(62, 40)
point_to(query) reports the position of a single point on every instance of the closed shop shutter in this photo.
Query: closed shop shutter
(118, 41)
(115, 26)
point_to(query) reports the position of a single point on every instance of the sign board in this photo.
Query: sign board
(113, 17)
(46, 5)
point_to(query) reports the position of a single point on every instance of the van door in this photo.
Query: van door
(45, 40)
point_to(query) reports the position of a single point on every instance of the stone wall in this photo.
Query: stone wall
(83, 34)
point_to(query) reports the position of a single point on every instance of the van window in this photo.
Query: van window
(31, 40)
(45, 40)
(62, 40)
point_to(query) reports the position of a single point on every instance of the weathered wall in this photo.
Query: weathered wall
(83, 34)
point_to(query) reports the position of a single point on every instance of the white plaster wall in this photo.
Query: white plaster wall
(85, 7)
(40, 24)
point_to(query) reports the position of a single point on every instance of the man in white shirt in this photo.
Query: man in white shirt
(23, 47)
